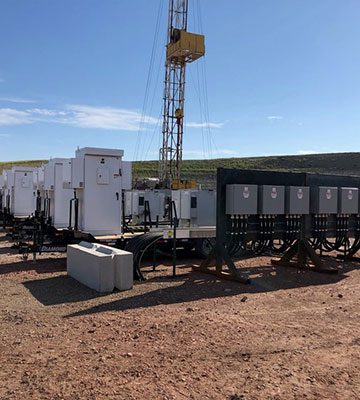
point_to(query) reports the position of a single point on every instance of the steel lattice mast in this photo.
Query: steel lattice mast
(182, 47)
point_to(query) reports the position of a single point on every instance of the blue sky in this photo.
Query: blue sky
(281, 77)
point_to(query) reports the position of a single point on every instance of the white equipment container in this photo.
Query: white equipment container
(8, 188)
(96, 176)
(39, 176)
(195, 207)
(58, 195)
(23, 198)
(1, 191)
(100, 267)
(126, 173)
(135, 204)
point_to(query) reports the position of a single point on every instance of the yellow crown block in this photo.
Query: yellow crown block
(188, 48)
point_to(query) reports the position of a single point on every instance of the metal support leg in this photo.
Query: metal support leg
(220, 257)
(306, 258)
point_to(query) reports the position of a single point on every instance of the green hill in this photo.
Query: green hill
(27, 163)
(204, 170)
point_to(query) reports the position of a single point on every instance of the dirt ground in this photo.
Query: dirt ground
(288, 335)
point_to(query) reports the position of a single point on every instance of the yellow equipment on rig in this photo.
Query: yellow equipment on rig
(183, 184)
(185, 46)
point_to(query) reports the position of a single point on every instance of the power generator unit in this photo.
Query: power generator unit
(23, 194)
(195, 207)
(150, 204)
(57, 195)
(95, 175)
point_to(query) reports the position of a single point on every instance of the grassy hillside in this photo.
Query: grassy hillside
(204, 170)
(28, 163)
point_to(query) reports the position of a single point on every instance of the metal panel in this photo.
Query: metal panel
(332, 180)
(103, 176)
(23, 194)
(67, 168)
(246, 177)
(77, 173)
(126, 173)
(39, 177)
(195, 207)
(49, 176)
(185, 204)
(297, 200)
(9, 181)
(101, 203)
(271, 199)
(61, 198)
(156, 200)
(348, 201)
(98, 151)
(9, 178)
(241, 199)
(324, 200)
(205, 212)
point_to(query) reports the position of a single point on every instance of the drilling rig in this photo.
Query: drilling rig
(182, 47)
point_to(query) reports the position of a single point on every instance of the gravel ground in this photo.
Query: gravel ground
(288, 335)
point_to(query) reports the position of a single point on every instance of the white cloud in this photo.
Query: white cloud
(214, 125)
(81, 116)
(105, 118)
(9, 116)
(3, 135)
(45, 112)
(16, 100)
(274, 117)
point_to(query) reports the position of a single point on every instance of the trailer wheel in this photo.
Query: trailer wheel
(203, 247)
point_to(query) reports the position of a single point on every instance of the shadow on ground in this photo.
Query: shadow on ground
(60, 290)
(41, 266)
(3, 238)
(7, 250)
(186, 287)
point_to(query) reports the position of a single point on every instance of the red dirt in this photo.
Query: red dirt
(288, 335)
